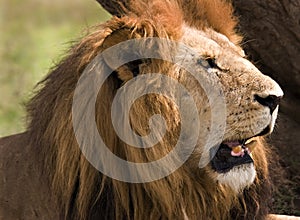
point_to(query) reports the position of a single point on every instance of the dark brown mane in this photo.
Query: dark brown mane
(83, 191)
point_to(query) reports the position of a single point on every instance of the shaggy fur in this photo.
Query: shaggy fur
(84, 193)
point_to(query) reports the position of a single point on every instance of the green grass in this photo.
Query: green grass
(34, 34)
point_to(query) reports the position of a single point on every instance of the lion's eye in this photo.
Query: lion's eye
(212, 63)
(209, 62)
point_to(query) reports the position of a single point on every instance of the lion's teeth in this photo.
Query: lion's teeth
(248, 141)
(238, 149)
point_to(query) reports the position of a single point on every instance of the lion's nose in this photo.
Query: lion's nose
(271, 101)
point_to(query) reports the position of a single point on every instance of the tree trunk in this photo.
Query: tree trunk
(272, 41)
(115, 7)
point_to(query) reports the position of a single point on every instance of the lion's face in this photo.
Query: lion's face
(249, 111)
(251, 107)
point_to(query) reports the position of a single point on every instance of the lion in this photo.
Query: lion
(45, 174)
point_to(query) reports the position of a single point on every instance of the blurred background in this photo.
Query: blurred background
(34, 36)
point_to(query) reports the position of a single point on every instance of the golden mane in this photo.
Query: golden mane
(201, 14)
(83, 191)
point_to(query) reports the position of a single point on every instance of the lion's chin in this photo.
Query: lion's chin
(239, 177)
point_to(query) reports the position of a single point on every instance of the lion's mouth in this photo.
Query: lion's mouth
(233, 153)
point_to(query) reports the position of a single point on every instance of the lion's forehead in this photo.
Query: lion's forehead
(209, 42)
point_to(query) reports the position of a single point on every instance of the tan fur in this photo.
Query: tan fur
(188, 193)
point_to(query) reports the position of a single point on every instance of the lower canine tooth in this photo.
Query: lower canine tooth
(248, 141)
(251, 145)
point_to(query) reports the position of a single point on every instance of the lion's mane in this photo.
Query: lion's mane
(83, 191)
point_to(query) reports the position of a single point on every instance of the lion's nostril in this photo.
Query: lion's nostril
(271, 101)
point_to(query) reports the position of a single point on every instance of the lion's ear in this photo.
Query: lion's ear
(113, 56)
(141, 31)
(116, 37)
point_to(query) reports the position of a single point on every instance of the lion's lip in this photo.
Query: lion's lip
(233, 153)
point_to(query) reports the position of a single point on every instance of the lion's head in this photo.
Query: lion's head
(232, 184)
